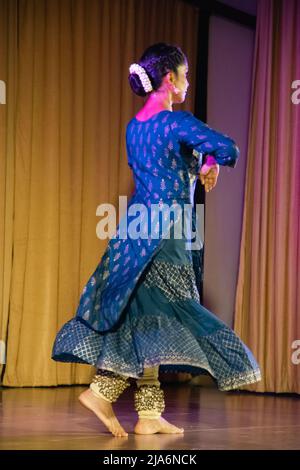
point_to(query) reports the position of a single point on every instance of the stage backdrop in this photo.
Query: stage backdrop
(268, 291)
(62, 146)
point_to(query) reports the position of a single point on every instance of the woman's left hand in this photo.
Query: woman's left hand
(209, 175)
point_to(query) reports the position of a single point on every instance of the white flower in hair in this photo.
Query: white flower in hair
(140, 71)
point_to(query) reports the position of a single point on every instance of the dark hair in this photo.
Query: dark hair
(157, 60)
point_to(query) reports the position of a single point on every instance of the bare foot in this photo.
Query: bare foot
(103, 410)
(159, 425)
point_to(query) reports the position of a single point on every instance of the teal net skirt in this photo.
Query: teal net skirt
(163, 324)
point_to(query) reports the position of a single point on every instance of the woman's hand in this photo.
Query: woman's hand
(209, 173)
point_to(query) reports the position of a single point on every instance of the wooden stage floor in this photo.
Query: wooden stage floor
(52, 418)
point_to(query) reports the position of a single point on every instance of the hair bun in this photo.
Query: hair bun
(141, 72)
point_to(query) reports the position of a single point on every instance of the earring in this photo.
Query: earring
(176, 90)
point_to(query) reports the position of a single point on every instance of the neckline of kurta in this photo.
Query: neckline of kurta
(152, 117)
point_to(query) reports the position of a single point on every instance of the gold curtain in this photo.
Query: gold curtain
(267, 301)
(62, 144)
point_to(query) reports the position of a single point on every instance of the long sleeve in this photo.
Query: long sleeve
(197, 135)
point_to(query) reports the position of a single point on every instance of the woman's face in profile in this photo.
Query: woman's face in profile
(181, 82)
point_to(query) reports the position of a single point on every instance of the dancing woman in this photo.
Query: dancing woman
(140, 313)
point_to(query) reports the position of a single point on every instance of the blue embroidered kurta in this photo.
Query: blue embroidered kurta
(141, 305)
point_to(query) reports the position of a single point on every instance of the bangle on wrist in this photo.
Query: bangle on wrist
(210, 160)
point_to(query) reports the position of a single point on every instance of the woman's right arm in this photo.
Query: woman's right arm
(197, 135)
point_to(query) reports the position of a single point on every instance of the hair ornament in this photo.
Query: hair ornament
(140, 71)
